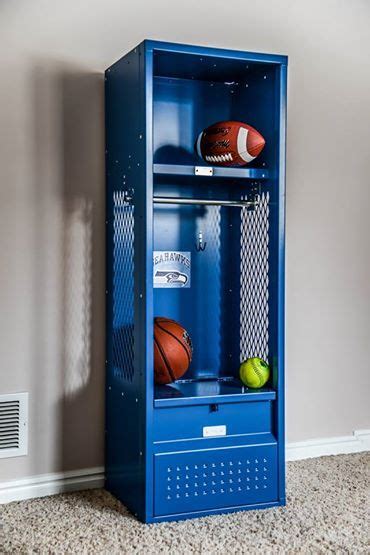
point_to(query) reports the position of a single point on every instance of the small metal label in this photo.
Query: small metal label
(214, 431)
(171, 269)
(203, 170)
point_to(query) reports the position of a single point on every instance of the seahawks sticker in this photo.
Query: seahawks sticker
(171, 269)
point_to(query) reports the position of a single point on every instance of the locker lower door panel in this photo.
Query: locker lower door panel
(214, 478)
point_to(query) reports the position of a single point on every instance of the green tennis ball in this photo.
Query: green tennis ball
(254, 372)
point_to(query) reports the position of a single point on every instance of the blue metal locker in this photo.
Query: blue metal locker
(205, 444)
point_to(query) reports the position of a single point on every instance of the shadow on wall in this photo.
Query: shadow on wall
(69, 339)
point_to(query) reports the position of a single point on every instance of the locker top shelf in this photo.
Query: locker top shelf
(209, 392)
(209, 171)
(178, 48)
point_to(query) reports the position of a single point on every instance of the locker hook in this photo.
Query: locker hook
(200, 246)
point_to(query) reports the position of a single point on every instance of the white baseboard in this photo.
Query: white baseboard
(89, 478)
(50, 484)
(358, 442)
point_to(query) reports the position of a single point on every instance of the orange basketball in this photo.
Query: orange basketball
(172, 350)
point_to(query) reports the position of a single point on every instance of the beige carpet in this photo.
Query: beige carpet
(325, 513)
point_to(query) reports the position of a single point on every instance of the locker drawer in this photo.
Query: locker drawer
(214, 478)
(188, 422)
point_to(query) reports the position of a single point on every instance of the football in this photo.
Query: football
(229, 143)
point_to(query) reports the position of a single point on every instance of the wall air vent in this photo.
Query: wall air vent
(13, 425)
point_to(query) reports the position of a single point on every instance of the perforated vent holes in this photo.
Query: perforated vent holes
(215, 478)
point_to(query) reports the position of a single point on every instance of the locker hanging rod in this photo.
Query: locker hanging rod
(210, 202)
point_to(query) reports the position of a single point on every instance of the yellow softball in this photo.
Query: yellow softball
(254, 372)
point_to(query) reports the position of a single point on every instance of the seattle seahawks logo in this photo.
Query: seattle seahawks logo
(171, 269)
(171, 277)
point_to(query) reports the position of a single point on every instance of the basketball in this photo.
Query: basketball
(172, 350)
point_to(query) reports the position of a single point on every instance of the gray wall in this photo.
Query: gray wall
(52, 202)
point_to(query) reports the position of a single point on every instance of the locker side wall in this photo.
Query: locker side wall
(125, 287)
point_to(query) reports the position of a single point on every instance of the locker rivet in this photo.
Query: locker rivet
(136, 400)
(265, 76)
(141, 295)
(140, 136)
(106, 292)
(122, 394)
(109, 388)
(138, 163)
(141, 453)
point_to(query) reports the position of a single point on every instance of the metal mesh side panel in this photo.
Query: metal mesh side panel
(123, 288)
(254, 280)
